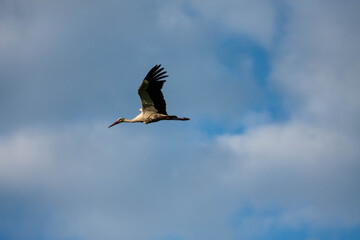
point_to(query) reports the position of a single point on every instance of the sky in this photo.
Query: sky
(271, 151)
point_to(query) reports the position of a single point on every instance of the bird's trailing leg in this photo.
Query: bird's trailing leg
(176, 118)
(183, 119)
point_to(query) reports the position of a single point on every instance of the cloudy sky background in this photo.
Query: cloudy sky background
(271, 151)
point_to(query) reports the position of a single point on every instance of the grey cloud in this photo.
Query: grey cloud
(63, 62)
(242, 17)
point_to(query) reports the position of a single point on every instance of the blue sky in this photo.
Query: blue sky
(271, 151)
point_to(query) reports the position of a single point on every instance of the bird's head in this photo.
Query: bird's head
(120, 120)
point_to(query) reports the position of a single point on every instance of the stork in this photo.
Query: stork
(152, 100)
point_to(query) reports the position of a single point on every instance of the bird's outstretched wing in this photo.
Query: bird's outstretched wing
(152, 99)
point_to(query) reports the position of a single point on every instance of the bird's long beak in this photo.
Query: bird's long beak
(113, 124)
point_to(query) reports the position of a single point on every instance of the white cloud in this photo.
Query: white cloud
(307, 166)
(308, 172)
(318, 65)
(22, 156)
(104, 182)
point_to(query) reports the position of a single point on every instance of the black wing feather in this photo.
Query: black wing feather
(151, 88)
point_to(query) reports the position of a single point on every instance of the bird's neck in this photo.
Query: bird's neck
(131, 120)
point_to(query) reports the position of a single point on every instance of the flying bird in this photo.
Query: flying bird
(152, 100)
